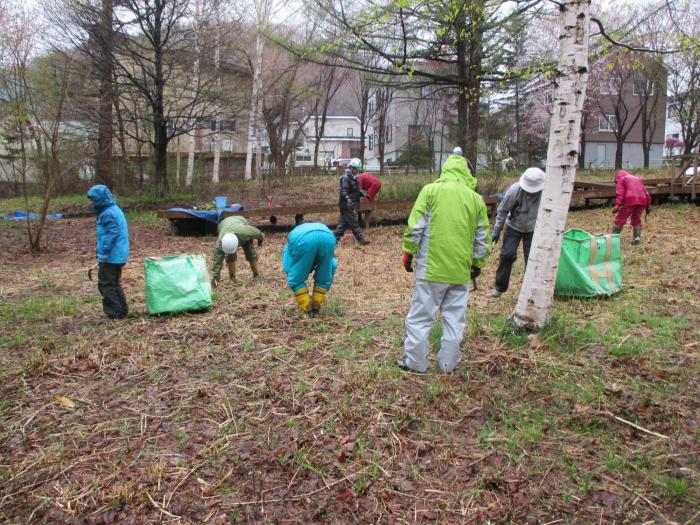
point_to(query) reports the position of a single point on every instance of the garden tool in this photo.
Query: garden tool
(90, 270)
(475, 272)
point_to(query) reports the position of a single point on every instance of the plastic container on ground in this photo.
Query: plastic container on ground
(221, 202)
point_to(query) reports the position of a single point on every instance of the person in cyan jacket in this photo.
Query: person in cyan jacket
(112, 250)
(349, 202)
(518, 213)
(448, 235)
(310, 248)
(631, 200)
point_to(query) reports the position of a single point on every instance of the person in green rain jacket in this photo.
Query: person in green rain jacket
(448, 235)
(245, 234)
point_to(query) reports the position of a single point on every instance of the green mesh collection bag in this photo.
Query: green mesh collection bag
(177, 283)
(589, 265)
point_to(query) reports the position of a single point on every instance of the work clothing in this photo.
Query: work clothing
(109, 284)
(635, 212)
(350, 193)
(448, 232)
(632, 198)
(246, 234)
(517, 210)
(428, 298)
(348, 203)
(630, 190)
(448, 229)
(348, 219)
(509, 254)
(370, 185)
(310, 248)
(112, 231)
(111, 250)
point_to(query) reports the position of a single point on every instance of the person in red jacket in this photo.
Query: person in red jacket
(370, 185)
(632, 199)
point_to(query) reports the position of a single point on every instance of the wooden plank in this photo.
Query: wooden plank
(594, 191)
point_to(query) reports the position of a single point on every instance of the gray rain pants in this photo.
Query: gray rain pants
(428, 298)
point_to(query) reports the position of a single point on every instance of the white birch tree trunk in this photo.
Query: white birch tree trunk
(177, 162)
(534, 307)
(258, 124)
(262, 11)
(252, 127)
(195, 81)
(215, 175)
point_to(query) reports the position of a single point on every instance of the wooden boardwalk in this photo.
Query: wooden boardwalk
(585, 194)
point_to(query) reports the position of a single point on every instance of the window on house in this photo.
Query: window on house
(548, 98)
(371, 142)
(643, 86)
(349, 132)
(370, 109)
(607, 123)
(609, 86)
(418, 134)
(389, 133)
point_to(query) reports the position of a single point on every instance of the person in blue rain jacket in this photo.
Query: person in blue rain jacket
(310, 248)
(112, 250)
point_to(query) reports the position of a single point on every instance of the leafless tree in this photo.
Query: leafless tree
(36, 97)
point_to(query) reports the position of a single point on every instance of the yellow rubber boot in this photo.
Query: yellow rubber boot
(303, 299)
(317, 298)
(231, 265)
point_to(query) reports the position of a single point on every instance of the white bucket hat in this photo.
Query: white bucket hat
(457, 151)
(532, 180)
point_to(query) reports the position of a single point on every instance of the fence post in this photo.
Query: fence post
(673, 174)
(695, 175)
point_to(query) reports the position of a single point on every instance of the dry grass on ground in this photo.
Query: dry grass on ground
(247, 413)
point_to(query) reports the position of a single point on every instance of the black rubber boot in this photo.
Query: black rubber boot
(636, 235)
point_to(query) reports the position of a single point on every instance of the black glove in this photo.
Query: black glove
(648, 210)
(476, 272)
(495, 235)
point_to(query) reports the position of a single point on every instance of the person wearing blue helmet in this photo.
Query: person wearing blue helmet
(310, 248)
(112, 250)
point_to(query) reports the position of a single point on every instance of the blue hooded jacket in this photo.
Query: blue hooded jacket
(112, 243)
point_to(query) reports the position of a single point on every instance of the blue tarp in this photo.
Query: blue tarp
(20, 215)
(213, 216)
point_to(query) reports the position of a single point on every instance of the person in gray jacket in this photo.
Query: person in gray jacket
(518, 212)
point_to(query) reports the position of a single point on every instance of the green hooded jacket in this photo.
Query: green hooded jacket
(448, 229)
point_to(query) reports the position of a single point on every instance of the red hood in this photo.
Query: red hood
(621, 173)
